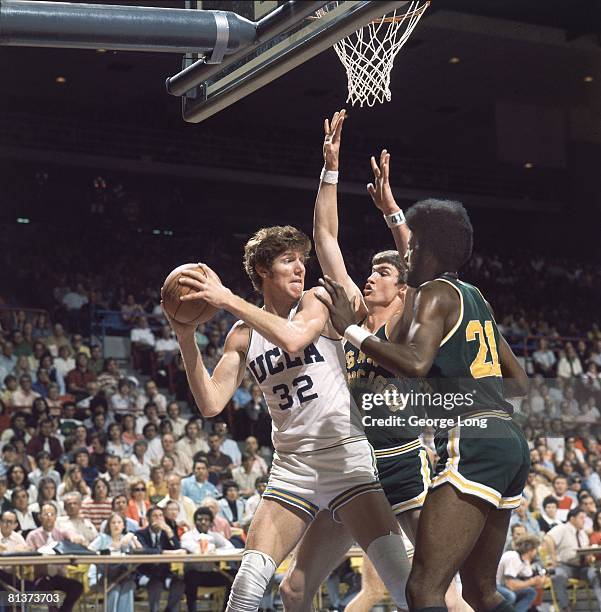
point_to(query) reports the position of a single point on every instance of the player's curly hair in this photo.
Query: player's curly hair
(445, 229)
(268, 243)
(394, 259)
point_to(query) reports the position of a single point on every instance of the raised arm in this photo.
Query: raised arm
(325, 217)
(291, 335)
(213, 392)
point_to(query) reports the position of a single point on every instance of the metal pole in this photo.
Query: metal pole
(271, 25)
(122, 28)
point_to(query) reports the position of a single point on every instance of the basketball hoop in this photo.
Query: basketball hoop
(368, 54)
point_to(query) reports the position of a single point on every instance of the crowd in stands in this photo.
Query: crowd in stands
(114, 454)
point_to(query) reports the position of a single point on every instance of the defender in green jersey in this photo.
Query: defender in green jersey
(454, 343)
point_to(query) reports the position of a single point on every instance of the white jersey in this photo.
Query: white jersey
(306, 393)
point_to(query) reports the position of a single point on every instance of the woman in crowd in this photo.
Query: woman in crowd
(140, 461)
(115, 540)
(39, 410)
(16, 477)
(115, 445)
(47, 495)
(98, 508)
(157, 486)
(73, 481)
(168, 465)
(138, 504)
(129, 435)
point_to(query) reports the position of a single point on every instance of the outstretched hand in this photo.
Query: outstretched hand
(207, 286)
(342, 311)
(380, 190)
(331, 142)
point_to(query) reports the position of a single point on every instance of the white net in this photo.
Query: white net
(368, 54)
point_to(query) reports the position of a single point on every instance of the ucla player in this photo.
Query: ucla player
(322, 459)
(402, 461)
(454, 340)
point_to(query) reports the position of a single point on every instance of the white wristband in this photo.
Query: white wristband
(329, 176)
(395, 219)
(356, 335)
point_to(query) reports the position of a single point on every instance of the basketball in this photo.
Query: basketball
(197, 311)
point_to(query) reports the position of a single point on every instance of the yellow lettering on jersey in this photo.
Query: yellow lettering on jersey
(480, 367)
(361, 358)
(350, 360)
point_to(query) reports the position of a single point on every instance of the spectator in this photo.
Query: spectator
(73, 483)
(18, 428)
(140, 460)
(47, 495)
(79, 377)
(252, 503)
(157, 486)
(165, 348)
(142, 344)
(8, 360)
(231, 507)
(228, 446)
(52, 578)
(116, 481)
(565, 502)
(182, 462)
(42, 327)
(9, 457)
(114, 540)
(89, 472)
(17, 477)
(595, 535)
(138, 504)
(177, 422)
(23, 397)
(42, 383)
(155, 448)
(64, 363)
(249, 418)
(44, 440)
(115, 444)
(186, 506)
(587, 504)
(78, 346)
(246, 475)
(98, 507)
(11, 385)
(26, 519)
(152, 395)
(129, 435)
(110, 377)
(252, 448)
(151, 415)
(548, 516)
(202, 540)
(516, 531)
(44, 470)
(160, 537)
(562, 542)
(569, 365)
(220, 464)
(11, 542)
(515, 577)
(192, 443)
(72, 521)
(119, 505)
(22, 368)
(98, 456)
(131, 309)
(196, 486)
(95, 361)
(22, 347)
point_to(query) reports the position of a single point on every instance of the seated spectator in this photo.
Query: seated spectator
(109, 377)
(219, 524)
(590, 413)
(92, 397)
(73, 482)
(516, 531)
(246, 475)
(252, 503)
(155, 448)
(231, 507)
(242, 395)
(152, 394)
(42, 328)
(565, 502)
(42, 383)
(45, 440)
(220, 464)
(119, 505)
(56, 377)
(64, 362)
(250, 416)
(23, 459)
(89, 472)
(157, 485)
(182, 462)
(186, 506)
(177, 422)
(159, 536)
(22, 347)
(202, 540)
(11, 542)
(116, 481)
(95, 360)
(114, 540)
(18, 428)
(39, 411)
(562, 542)
(165, 349)
(252, 448)
(47, 495)
(53, 577)
(23, 397)
(22, 368)
(8, 360)
(98, 455)
(171, 513)
(39, 350)
(129, 435)
(9, 457)
(26, 519)
(72, 520)
(130, 310)
(138, 504)
(228, 446)
(193, 442)
(151, 415)
(140, 460)
(44, 469)
(98, 507)
(11, 385)
(115, 444)
(16, 476)
(197, 486)
(595, 535)
(142, 343)
(515, 576)
(548, 516)
(78, 378)
(587, 504)
(569, 365)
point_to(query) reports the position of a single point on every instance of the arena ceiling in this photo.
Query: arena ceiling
(529, 52)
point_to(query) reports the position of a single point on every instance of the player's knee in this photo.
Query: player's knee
(481, 594)
(292, 592)
(256, 570)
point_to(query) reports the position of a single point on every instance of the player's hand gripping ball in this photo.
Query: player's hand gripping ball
(186, 312)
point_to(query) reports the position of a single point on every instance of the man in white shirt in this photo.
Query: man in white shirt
(166, 345)
(246, 475)
(178, 423)
(201, 540)
(252, 503)
(152, 394)
(73, 521)
(186, 506)
(515, 577)
(193, 442)
(562, 542)
(544, 359)
(10, 542)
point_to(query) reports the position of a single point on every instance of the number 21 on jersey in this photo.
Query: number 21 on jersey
(482, 366)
